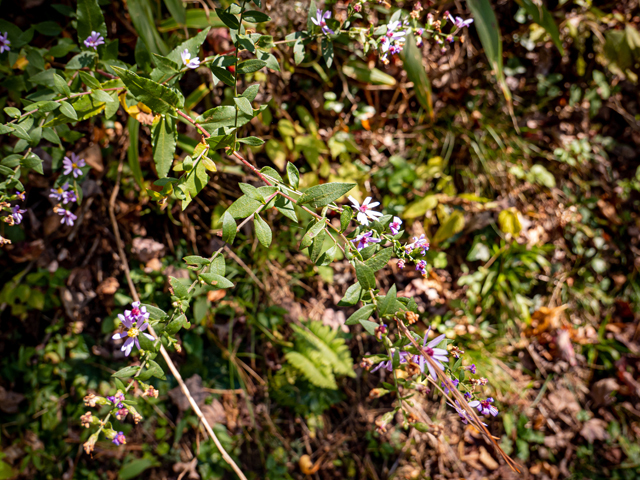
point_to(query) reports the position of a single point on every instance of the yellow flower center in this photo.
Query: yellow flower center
(133, 332)
(74, 165)
(60, 190)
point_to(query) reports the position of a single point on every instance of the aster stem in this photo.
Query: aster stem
(172, 367)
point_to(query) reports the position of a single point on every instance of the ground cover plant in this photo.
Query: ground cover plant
(354, 239)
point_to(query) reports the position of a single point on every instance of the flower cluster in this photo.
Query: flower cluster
(135, 323)
(321, 21)
(15, 213)
(393, 41)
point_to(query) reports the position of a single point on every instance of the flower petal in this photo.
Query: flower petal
(150, 337)
(436, 341)
(118, 336)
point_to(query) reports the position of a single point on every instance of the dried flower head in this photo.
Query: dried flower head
(86, 420)
(411, 317)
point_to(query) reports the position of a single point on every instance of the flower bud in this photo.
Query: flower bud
(89, 444)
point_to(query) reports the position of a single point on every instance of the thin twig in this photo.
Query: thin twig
(123, 259)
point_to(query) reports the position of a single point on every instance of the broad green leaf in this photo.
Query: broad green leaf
(243, 207)
(90, 19)
(132, 153)
(250, 66)
(345, 217)
(154, 312)
(223, 75)
(419, 207)
(488, 29)
(196, 260)
(228, 227)
(179, 288)
(321, 195)
(68, 111)
(387, 305)
(13, 112)
(414, 66)
(253, 141)
(543, 17)
(60, 85)
(293, 175)
(157, 97)
(286, 207)
(225, 116)
(365, 275)
(228, 19)
(89, 80)
(363, 314)
(163, 139)
(244, 105)
(509, 221)
(370, 327)
(251, 91)
(218, 266)
(380, 259)
(126, 372)
(254, 16)
(327, 51)
(216, 280)
(317, 245)
(452, 225)
(312, 233)
(263, 232)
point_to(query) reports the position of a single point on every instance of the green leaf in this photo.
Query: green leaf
(370, 327)
(250, 66)
(224, 75)
(254, 16)
(244, 105)
(102, 96)
(543, 17)
(293, 175)
(321, 195)
(216, 280)
(509, 221)
(351, 296)
(251, 92)
(134, 468)
(412, 63)
(12, 112)
(243, 207)
(142, 16)
(132, 153)
(489, 32)
(176, 324)
(126, 372)
(270, 172)
(452, 225)
(253, 141)
(177, 10)
(388, 305)
(317, 245)
(312, 233)
(179, 289)
(365, 276)
(33, 162)
(225, 116)
(196, 260)
(298, 52)
(157, 97)
(380, 260)
(90, 19)
(345, 217)
(60, 85)
(263, 231)
(361, 72)
(363, 314)
(154, 312)
(67, 110)
(228, 19)
(163, 139)
(311, 371)
(327, 51)
(419, 207)
(228, 227)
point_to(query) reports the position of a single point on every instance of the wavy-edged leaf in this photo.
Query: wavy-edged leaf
(321, 195)
(163, 138)
(412, 62)
(157, 97)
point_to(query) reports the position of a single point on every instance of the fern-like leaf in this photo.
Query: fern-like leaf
(320, 377)
(334, 353)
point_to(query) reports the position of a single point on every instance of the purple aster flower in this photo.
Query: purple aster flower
(17, 214)
(393, 33)
(471, 368)
(395, 225)
(421, 266)
(135, 323)
(459, 22)
(20, 195)
(94, 40)
(188, 61)
(484, 406)
(67, 217)
(455, 384)
(438, 355)
(73, 165)
(321, 21)
(365, 239)
(467, 396)
(401, 264)
(117, 399)
(119, 439)
(388, 364)
(4, 42)
(63, 194)
(464, 416)
(365, 211)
